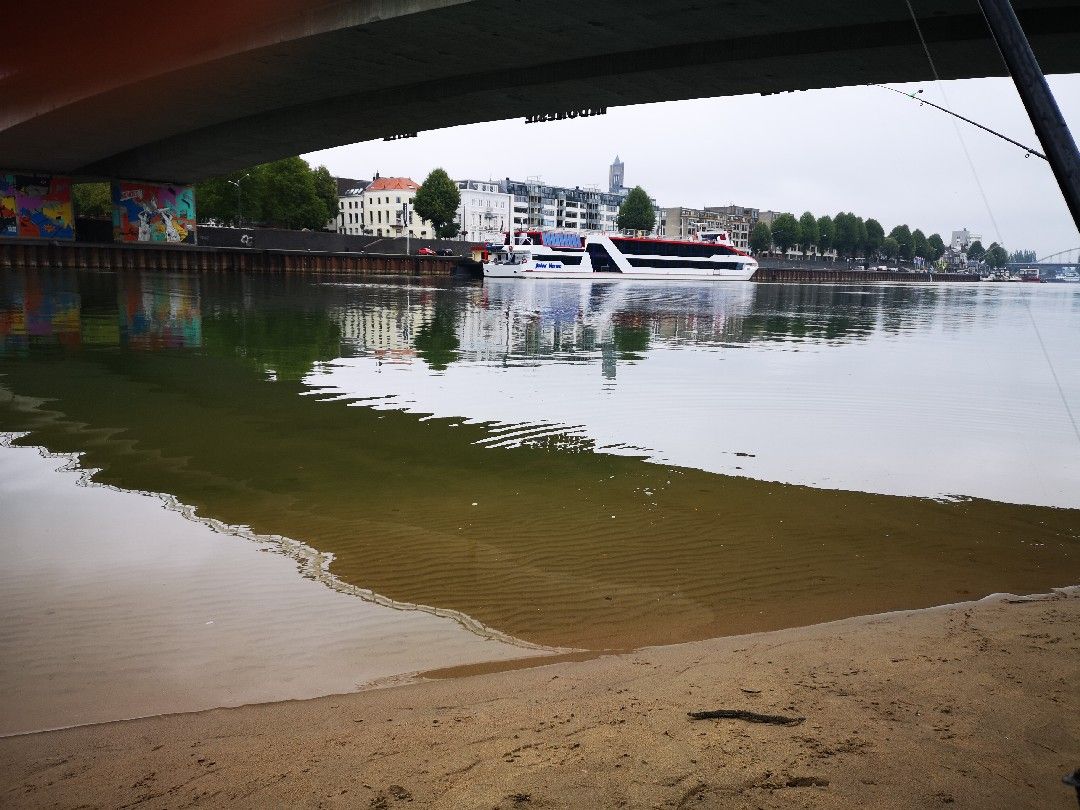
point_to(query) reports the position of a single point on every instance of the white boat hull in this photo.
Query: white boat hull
(640, 274)
(534, 261)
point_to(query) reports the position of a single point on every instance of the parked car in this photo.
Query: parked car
(445, 251)
(425, 251)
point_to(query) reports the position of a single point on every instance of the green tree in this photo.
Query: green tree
(636, 212)
(437, 201)
(785, 232)
(875, 235)
(218, 197)
(902, 235)
(976, 251)
(1023, 257)
(326, 188)
(92, 199)
(861, 236)
(286, 191)
(215, 200)
(919, 246)
(936, 246)
(761, 238)
(996, 256)
(808, 231)
(826, 233)
(846, 239)
(890, 248)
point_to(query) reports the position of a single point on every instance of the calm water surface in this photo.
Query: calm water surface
(562, 463)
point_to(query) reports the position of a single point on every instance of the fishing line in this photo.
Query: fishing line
(993, 220)
(956, 127)
(1053, 373)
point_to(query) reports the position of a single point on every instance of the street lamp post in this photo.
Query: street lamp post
(239, 218)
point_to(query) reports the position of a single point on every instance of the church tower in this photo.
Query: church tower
(616, 176)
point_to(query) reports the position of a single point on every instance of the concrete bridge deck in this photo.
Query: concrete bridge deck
(113, 91)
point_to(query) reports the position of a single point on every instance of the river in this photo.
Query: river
(226, 489)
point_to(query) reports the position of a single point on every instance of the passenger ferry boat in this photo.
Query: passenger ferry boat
(551, 254)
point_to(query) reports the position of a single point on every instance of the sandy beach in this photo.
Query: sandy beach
(971, 705)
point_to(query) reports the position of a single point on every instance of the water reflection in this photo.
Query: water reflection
(160, 312)
(568, 489)
(67, 310)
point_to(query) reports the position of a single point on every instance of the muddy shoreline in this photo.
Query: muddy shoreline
(967, 705)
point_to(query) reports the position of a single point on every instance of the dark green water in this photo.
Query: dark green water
(577, 464)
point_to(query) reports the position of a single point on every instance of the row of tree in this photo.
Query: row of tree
(853, 236)
(994, 256)
(290, 194)
(847, 234)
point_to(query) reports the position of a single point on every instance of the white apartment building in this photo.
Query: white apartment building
(536, 205)
(962, 240)
(350, 215)
(351, 212)
(484, 213)
(383, 207)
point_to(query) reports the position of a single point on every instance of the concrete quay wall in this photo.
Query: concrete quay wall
(804, 274)
(78, 256)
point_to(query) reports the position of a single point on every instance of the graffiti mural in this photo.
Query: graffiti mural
(148, 212)
(35, 206)
(9, 221)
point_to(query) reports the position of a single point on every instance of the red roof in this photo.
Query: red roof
(392, 184)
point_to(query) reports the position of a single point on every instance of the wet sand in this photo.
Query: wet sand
(115, 606)
(971, 705)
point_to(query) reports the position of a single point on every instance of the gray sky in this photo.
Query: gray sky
(859, 149)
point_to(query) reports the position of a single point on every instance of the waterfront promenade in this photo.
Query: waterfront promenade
(79, 256)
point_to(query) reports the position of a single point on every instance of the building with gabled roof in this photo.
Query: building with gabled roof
(387, 209)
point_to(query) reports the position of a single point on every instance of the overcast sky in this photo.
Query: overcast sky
(859, 149)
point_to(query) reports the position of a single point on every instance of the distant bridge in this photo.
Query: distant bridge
(114, 89)
(1070, 256)
(1056, 262)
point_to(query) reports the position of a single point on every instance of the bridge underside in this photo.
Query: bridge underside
(256, 81)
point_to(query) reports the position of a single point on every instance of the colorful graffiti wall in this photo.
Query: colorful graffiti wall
(148, 212)
(35, 206)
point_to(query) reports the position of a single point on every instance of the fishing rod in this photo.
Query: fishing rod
(1027, 149)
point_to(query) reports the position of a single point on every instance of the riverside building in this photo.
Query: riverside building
(383, 206)
(539, 205)
(738, 221)
(484, 213)
(683, 222)
(350, 218)
(535, 204)
(962, 240)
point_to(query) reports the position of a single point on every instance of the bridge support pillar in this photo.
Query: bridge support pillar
(1041, 107)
